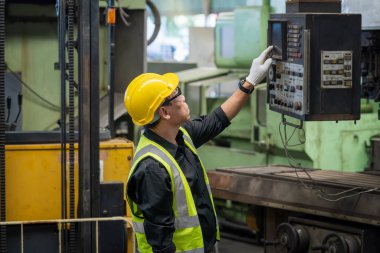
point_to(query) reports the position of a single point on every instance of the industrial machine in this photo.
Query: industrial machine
(207, 87)
(253, 138)
(316, 60)
(317, 189)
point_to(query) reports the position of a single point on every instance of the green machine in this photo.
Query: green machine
(32, 56)
(206, 88)
(257, 136)
(254, 136)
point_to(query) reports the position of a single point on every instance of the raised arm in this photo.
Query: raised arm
(259, 68)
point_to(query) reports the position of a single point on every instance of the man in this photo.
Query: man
(167, 189)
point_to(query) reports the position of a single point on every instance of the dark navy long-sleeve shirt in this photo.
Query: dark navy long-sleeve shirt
(150, 186)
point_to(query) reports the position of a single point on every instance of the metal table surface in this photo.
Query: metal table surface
(340, 195)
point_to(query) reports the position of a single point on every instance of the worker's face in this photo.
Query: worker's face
(177, 107)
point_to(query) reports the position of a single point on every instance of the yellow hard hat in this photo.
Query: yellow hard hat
(145, 93)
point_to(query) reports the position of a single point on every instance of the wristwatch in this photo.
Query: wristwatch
(243, 89)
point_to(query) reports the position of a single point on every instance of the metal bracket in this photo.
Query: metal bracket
(284, 122)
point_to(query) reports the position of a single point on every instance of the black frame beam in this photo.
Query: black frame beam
(88, 50)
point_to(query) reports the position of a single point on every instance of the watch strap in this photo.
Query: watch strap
(243, 89)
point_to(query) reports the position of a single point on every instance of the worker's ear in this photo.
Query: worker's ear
(163, 112)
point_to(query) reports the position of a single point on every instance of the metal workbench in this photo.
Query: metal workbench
(295, 190)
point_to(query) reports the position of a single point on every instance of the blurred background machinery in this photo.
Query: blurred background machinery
(297, 171)
(62, 175)
(317, 177)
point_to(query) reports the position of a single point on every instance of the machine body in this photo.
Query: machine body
(315, 74)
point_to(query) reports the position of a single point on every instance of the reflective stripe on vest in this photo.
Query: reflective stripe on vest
(193, 149)
(188, 235)
(189, 141)
(180, 197)
(179, 223)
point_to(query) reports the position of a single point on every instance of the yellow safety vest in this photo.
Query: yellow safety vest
(188, 234)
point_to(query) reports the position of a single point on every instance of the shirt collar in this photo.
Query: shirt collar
(170, 147)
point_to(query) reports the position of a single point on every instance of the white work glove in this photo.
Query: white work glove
(259, 67)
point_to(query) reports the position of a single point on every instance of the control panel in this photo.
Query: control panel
(315, 73)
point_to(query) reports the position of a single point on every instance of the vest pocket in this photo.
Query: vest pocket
(188, 239)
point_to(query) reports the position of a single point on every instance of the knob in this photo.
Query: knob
(297, 106)
(272, 73)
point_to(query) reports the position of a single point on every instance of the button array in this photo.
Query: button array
(294, 41)
(336, 69)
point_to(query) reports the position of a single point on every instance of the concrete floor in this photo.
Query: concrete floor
(232, 246)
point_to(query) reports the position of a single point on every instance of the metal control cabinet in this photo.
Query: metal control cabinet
(315, 74)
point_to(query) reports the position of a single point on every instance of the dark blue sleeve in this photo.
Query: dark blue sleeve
(205, 128)
(150, 188)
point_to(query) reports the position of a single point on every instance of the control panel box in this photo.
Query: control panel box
(315, 73)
